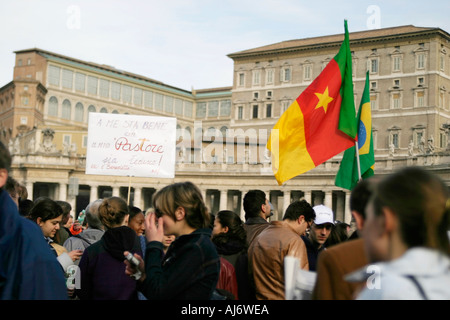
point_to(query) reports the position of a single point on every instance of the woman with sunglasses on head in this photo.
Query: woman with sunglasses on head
(190, 268)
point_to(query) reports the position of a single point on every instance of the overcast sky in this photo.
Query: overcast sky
(184, 43)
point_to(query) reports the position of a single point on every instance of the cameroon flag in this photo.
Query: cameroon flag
(349, 174)
(319, 124)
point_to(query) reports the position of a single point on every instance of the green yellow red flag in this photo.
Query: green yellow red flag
(319, 124)
(350, 172)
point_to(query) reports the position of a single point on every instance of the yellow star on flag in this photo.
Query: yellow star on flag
(324, 100)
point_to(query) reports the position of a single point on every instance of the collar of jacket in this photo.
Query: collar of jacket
(256, 220)
(417, 261)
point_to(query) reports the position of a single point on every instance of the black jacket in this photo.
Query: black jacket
(189, 270)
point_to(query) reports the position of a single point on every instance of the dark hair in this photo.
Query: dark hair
(360, 196)
(185, 195)
(338, 234)
(235, 239)
(25, 207)
(228, 218)
(12, 187)
(67, 207)
(46, 209)
(253, 201)
(134, 211)
(299, 208)
(420, 200)
(92, 215)
(5, 157)
(112, 211)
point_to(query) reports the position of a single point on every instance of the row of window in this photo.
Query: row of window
(266, 110)
(418, 141)
(66, 110)
(211, 108)
(373, 66)
(107, 89)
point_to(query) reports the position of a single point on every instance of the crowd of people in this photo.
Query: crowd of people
(178, 250)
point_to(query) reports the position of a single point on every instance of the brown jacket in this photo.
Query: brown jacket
(333, 264)
(266, 257)
(253, 227)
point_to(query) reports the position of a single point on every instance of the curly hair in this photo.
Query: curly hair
(112, 212)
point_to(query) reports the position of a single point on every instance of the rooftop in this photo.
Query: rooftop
(331, 40)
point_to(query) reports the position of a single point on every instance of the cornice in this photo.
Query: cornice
(336, 42)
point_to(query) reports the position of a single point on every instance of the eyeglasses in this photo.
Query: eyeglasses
(327, 226)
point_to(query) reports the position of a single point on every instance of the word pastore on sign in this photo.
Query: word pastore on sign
(130, 145)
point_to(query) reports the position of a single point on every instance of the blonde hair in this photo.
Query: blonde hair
(112, 212)
(185, 195)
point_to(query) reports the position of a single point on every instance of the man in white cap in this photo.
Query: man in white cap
(318, 234)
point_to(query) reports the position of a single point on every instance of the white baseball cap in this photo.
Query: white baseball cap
(323, 214)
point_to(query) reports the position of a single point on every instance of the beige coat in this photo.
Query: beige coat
(266, 258)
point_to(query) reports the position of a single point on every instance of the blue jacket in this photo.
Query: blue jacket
(189, 270)
(313, 253)
(28, 268)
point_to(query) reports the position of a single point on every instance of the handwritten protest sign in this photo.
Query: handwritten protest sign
(130, 145)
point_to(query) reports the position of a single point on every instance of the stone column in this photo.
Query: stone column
(94, 193)
(138, 198)
(328, 201)
(347, 212)
(29, 186)
(203, 191)
(62, 192)
(308, 196)
(223, 200)
(286, 203)
(115, 191)
(340, 207)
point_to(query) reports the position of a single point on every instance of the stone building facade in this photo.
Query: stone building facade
(222, 132)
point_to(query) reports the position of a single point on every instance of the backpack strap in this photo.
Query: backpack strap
(418, 285)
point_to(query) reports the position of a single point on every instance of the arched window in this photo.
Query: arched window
(66, 109)
(79, 112)
(53, 106)
(103, 110)
(224, 130)
(187, 133)
(115, 112)
(90, 109)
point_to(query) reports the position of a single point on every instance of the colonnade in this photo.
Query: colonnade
(216, 197)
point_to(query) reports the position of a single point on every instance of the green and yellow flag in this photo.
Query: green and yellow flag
(320, 123)
(349, 172)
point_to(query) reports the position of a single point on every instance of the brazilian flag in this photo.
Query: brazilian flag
(348, 174)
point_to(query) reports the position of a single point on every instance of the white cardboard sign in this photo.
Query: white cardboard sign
(131, 145)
